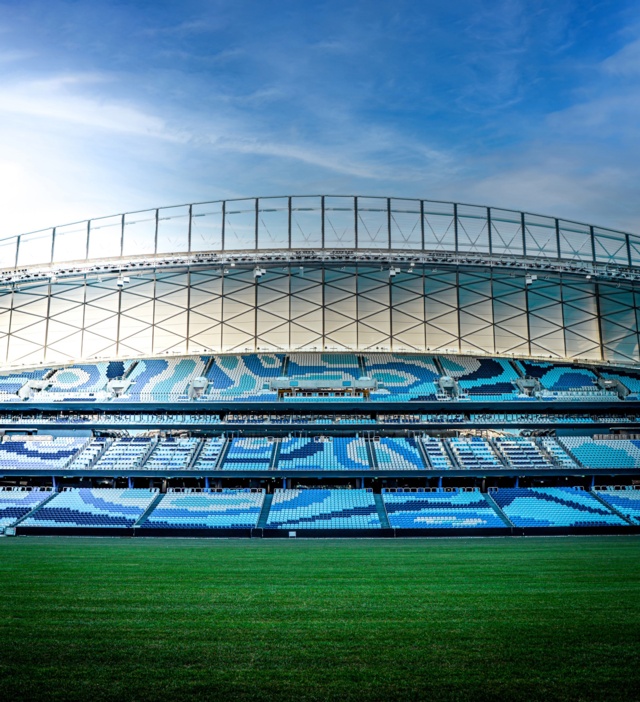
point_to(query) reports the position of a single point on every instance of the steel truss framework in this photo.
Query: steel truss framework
(334, 273)
(321, 307)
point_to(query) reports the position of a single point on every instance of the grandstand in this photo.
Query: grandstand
(411, 384)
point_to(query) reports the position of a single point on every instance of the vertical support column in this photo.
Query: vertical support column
(255, 233)
(389, 222)
(422, 222)
(523, 226)
(321, 221)
(122, 236)
(224, 217)
(155, 234)
(558, 238)
(54, 483)
(189, 229)
(489, 230)
(593, 481)
(207, 484)
(455, 226)
(440, 482)
(130, 482)
(517, 482)
(289, 224)
(355, 222)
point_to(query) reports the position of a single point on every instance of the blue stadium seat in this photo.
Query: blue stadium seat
(626, 500)
(229, 509)
(459, 509)
(15, 503)
(245, 377)
(340, 453)
(397, 454)
(252, 453)
(403, 377)
(493, 378)
(324, 366)
(553, 507)
(323, 509)
(50, 456)
(163, 380)
(87, 507)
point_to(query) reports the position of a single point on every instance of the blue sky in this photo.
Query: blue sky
(114, 106)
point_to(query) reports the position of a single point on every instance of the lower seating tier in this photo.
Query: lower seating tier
(624, 500)
(458, 509)
(15, 503)
(323, 509)
(230, 509)
(94, 508)
(554, 507)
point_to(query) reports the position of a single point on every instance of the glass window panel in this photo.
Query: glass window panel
(105, 237)
(439, 226)
(406, 232)
(173, 230)
(540, 236)
(240, 225)
(610, 246)
(473, 229)
(35, 248)
(506, 232)
(339, 223)
(8, 252)
(139, 233)
(206, 226)
(373, 223)
(273, 223)
(575, 241)
(306, 222)
(70, 243)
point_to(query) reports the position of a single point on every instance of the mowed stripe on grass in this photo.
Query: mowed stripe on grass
(455, 619)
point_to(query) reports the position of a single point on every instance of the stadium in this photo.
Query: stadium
(296, 392)
(320, 366)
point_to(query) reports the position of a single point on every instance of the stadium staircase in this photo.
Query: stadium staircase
(284, 370)
(611, 508)
(547, 454)
(275, 456)
(382, 511)
(499, 455)
(223, 454)
(39, 507)
(196, 455)
(371, 455)
(361, 364)
(570, 453)
(264, 512)
(452, 455)
(423, 454)
(147, 512)
(498, 510)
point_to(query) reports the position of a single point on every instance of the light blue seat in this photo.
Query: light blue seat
(459, 509)
(553, 507)
(323, 509)
(94, 508)
(338, 453)
(228, 509)
(15, 503)
(397, 454)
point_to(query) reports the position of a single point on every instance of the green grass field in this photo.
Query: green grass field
(438, 619)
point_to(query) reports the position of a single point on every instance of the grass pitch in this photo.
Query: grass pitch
(439, 619)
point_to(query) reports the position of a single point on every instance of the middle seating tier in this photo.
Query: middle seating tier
(251, 453)
(458, 509)
(323, 509)
(397, 454)
(338, 453)
(230, 509)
